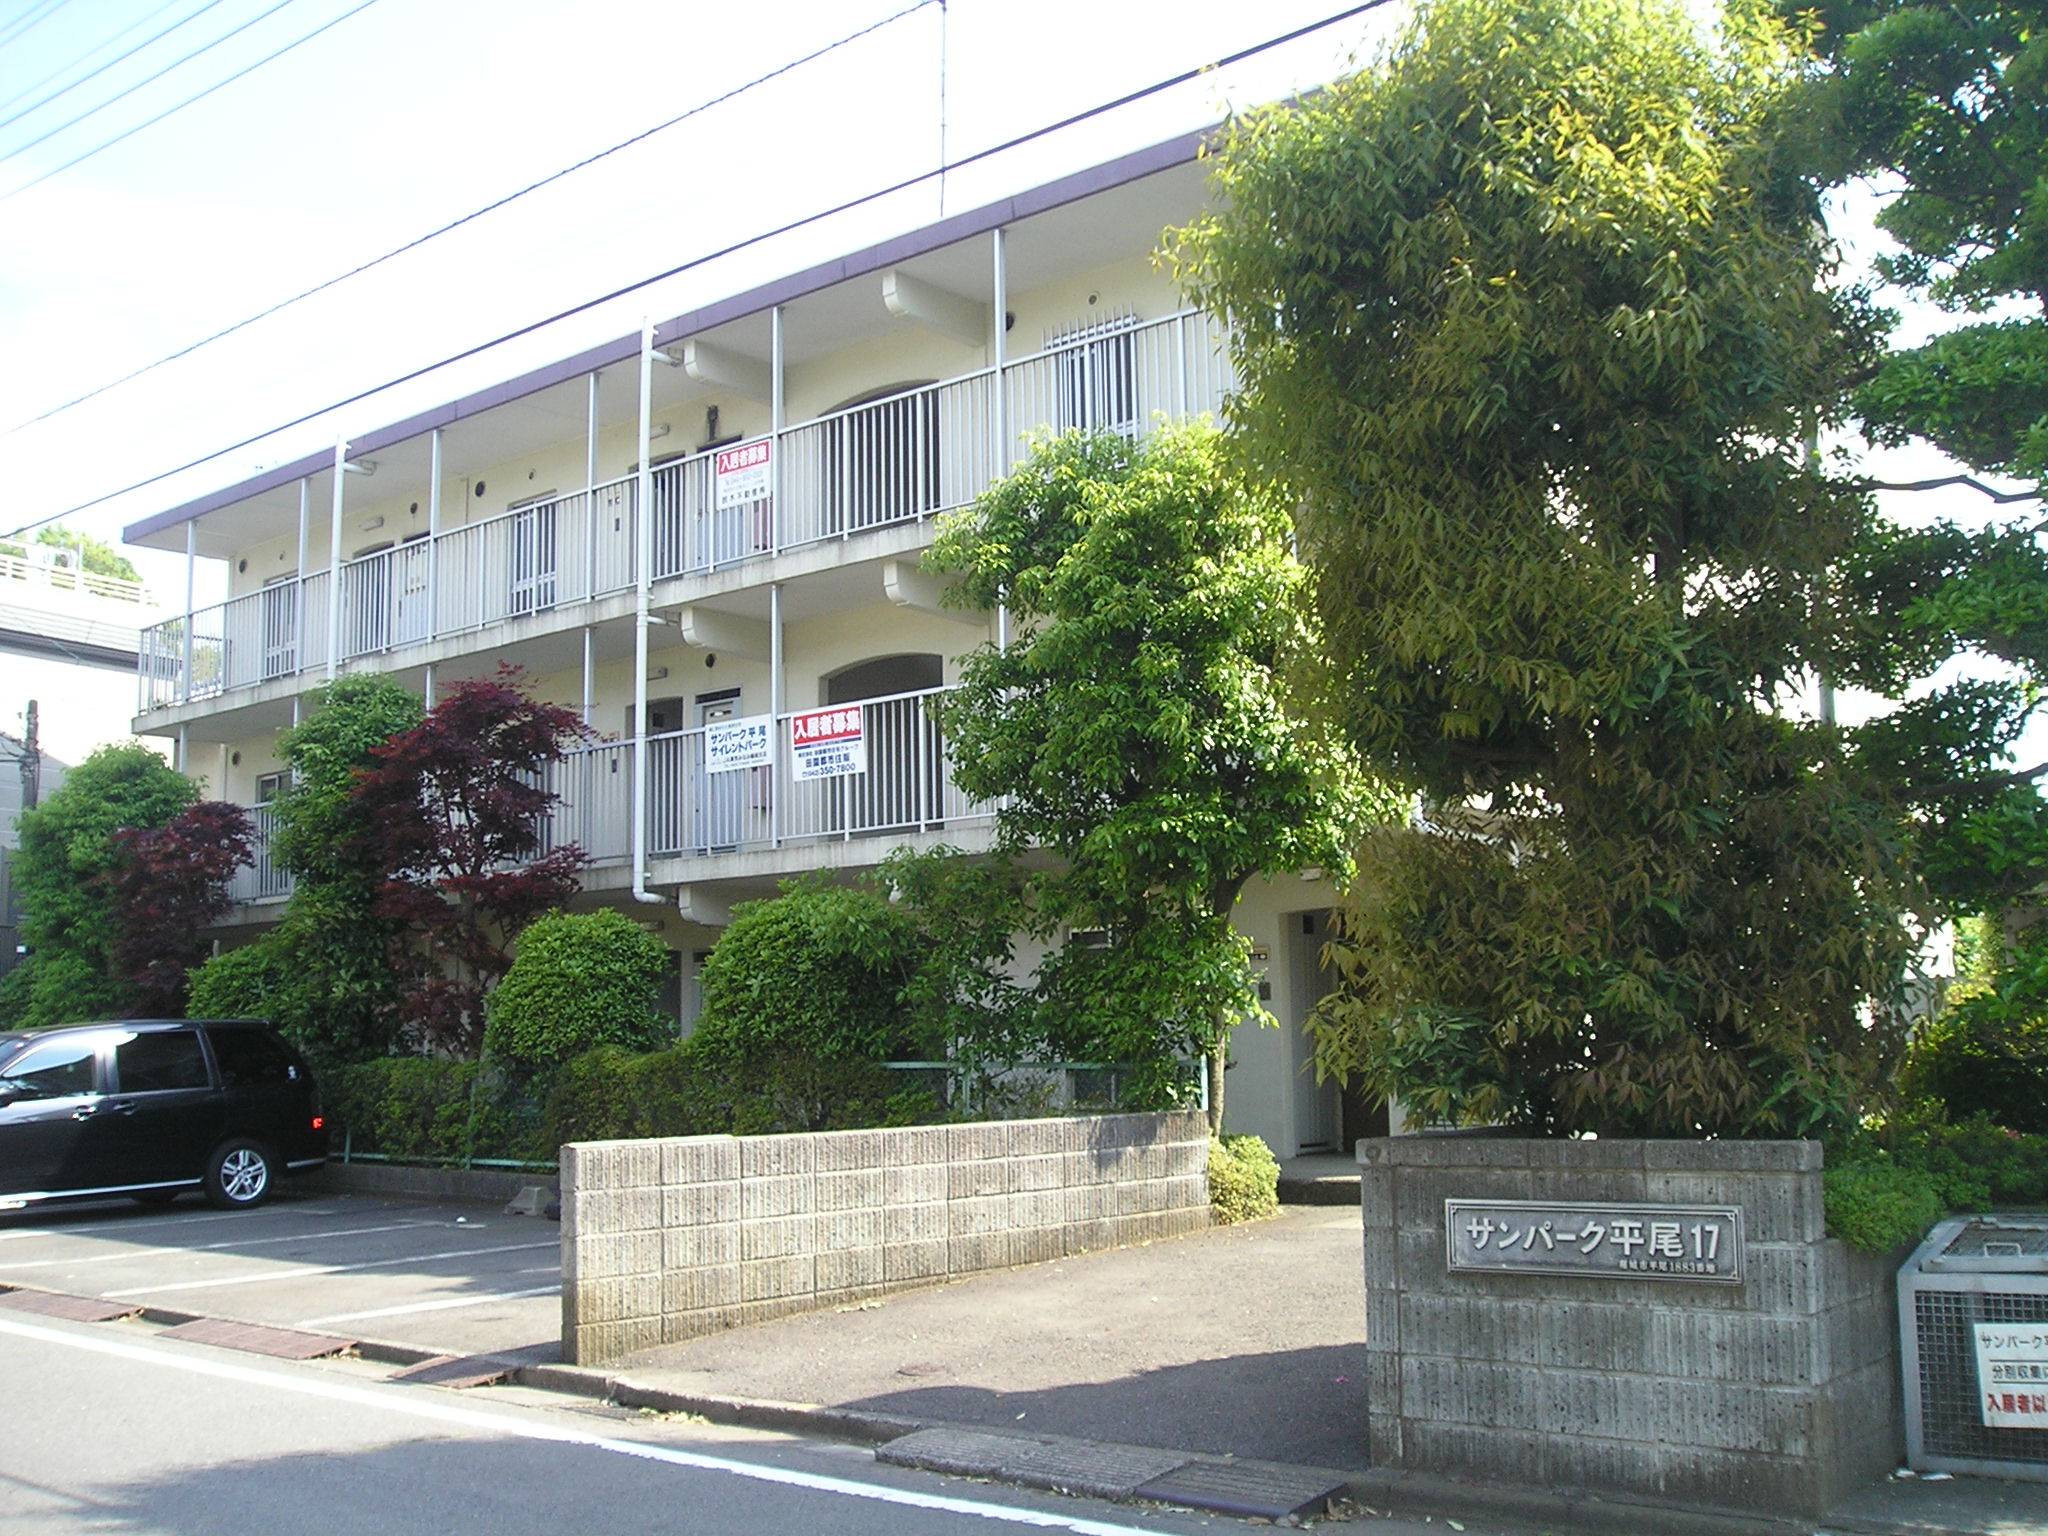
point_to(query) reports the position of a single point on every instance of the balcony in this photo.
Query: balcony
(882, 463)
(696, 813)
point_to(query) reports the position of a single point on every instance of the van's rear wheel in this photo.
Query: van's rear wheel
(238, 1175)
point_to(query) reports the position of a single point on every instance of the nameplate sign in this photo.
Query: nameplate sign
(1603, 1240)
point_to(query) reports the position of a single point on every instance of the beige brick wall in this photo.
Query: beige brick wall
(665, 1240)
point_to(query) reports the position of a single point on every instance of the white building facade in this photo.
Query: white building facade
(717, 521)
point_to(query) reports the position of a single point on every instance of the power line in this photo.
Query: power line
(142, 20)
(22, 149)
(816, 216)
(119, 58)
(454, 224)
(32, 18)
(250, 69)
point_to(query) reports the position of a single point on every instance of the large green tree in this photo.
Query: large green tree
(68, 854)
(1138, 728)
(1945, 107)
(1534, 319)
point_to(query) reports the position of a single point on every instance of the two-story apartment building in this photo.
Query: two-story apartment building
(704, 535)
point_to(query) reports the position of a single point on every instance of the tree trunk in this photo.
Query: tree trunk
(1218, 1055)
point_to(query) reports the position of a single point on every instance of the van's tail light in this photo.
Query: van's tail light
(319, 1122)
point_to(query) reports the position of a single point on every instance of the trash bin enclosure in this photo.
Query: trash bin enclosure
(1973, 1340)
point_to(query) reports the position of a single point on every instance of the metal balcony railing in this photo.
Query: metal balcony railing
(694, 812)
(900, 459)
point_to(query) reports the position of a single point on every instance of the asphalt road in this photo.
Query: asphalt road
(110, 1428)
(459, 1279)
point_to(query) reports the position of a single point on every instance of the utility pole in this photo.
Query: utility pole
(31, 760)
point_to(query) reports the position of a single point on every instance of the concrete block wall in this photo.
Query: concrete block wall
(1778, 1394)
(663, 1240)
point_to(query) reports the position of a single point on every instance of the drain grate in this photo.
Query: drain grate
(458, 1371)
(1248, 1490)
(77, 1309)
(257, 1339)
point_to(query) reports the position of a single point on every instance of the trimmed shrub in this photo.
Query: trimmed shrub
(580, 980)
(1244, 1179)
(818, 973)
(1880, 1207)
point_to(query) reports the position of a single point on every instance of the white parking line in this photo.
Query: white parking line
(239, 1242)
(300, 1271)
(398, 1400)
(447, 1304)
(131, 1223)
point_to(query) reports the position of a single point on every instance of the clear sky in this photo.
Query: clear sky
(403, 114)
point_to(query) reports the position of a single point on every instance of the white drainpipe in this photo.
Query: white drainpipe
(643, 560)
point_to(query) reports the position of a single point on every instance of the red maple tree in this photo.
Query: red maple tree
(454, 812)
(167, 885)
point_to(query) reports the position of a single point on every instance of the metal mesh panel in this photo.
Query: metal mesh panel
(1951, 1418)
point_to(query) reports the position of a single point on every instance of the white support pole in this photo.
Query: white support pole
(590, 497)
(334, 562)
(775, 707)
(589, 671)
(643, 558)
(184, 749)
(775, 425)
(434, 533)
(191, 563)
(299, 576)
(999, 320)
(433, 679)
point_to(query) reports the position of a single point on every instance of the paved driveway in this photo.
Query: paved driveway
(1241, 1340)
(462, 1279)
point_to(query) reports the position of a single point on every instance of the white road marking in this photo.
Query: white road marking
(447, 1304)
(300, 1271)
(542, 1269)
(390, 1400)
(239, 1242)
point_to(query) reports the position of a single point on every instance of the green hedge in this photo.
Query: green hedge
(431, 1109)
(1244, 1179)
(1887, 1186)
(699, 1088)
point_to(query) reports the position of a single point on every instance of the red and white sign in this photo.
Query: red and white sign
(828, 743)
(743, 473)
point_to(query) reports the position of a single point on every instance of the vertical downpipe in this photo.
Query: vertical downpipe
(775, 426)
(775, 726)
(299, 576)
(434, 534)
(643, 530)
(191, 561)
(999, 349)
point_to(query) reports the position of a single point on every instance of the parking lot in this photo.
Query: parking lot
(456, 1278)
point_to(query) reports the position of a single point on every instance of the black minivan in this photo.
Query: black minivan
(149, 1108)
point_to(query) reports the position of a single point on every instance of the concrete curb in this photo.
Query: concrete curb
(467, 1186)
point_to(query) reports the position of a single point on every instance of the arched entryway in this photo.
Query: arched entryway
(900, 792)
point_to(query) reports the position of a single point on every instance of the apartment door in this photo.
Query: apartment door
(411, 620)
(530, 535)
(1317, 1108)
(721, 798)
(667, 773)
(280, 622)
